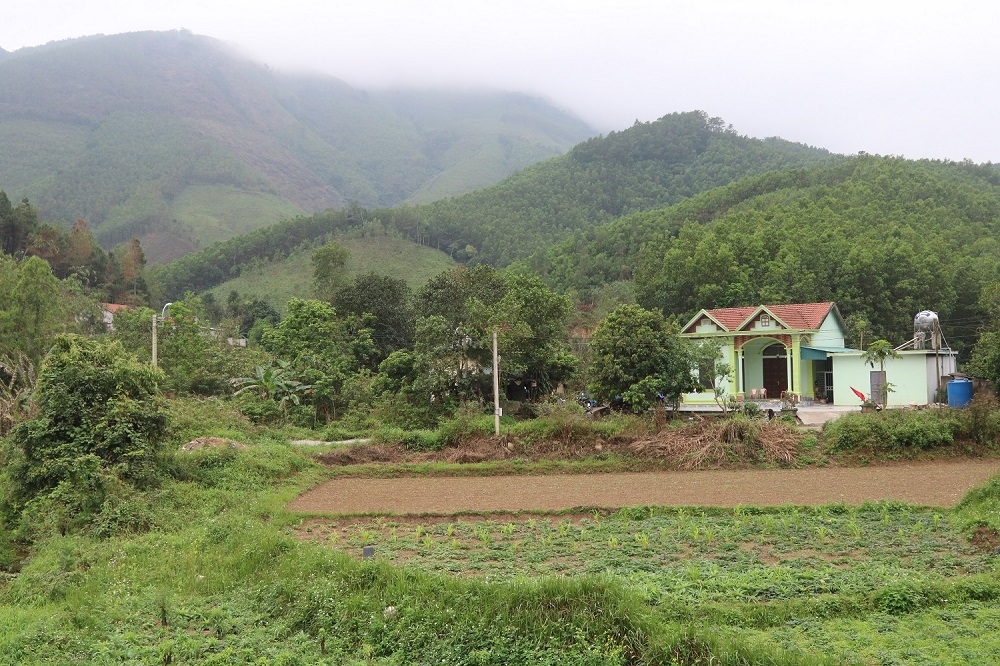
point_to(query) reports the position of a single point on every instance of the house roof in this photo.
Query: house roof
(115, 307)
(800, 316)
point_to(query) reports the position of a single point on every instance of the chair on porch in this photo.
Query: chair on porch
(758, 394)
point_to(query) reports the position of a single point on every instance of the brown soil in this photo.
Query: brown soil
(936, 483)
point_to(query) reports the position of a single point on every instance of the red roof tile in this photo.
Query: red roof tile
(731, 318)
(805, 316)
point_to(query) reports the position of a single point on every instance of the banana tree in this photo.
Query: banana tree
(273, 382)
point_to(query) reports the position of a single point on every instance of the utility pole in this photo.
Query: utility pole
(496, 386)
(163, 317)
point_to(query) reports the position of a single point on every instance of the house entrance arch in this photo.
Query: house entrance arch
(766, 364)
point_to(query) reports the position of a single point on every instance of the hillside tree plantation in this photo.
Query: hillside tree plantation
(682, 154)
(173, 138)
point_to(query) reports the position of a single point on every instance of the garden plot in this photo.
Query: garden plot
(828, 580)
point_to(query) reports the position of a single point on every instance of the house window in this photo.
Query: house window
(765, 321)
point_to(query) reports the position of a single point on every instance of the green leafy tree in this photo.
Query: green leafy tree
(877, 353)
(16, 224)
(273, 382)
(100, 421)
(329, 269)
(448, 363)
(461, 309)
(531, 320)
(36, 306)
(322, 350)
(634, 355)
(388, 300)
(985, 361)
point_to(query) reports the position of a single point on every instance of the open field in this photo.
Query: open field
(926, 483)
(849, 580)
(214, 564)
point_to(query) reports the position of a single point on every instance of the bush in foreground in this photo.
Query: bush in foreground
(894, 431)
(99, 428)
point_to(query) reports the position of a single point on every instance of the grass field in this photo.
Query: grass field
(218, 212)
(209, 567)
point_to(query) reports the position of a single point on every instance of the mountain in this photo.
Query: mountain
(171, 136)
(645, 167)
(885, 238)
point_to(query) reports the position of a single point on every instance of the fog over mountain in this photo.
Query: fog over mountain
(893, 78)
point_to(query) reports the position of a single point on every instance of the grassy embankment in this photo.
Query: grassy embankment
(215, 570)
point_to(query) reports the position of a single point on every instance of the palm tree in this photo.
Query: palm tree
(878, 352)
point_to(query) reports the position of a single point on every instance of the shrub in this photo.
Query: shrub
(99, 415)
(259, 410)
(414, 440)
(899, 599)
(891, 431)
(980, 421)
(468, 422)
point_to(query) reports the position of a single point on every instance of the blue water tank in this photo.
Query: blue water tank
(959, 392)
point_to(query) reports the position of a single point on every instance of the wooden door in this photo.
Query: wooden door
(775, 376)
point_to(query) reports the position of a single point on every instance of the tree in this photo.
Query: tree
(273, 382)
(16, 224)
(322, 350)
(388, 300)
(877, 352)
(635, 356)
(250, 315)
(858, 326)
(461, 309)
(329, 269)
(531, 320)
(985, 361)
(133, 263)
(33, 309)
(100, 421)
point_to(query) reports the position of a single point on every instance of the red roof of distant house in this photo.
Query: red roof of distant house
(803, 316)
(115, 307)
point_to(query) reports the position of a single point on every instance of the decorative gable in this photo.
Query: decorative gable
(706, 325)
(763, 319)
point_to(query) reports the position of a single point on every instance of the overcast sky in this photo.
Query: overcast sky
(911, 78)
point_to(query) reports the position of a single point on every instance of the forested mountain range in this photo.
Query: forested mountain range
(883, 237)
(173, 138)
(647, 166)
(644, 167)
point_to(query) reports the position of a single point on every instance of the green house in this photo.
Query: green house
(797, 352)
(773, 351)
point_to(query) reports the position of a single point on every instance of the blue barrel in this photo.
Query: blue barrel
(959, 392)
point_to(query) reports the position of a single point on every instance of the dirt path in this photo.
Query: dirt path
(929, 483)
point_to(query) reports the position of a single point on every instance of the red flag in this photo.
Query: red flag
(858, 393)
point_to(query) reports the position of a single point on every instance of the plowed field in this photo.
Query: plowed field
(927, 483)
